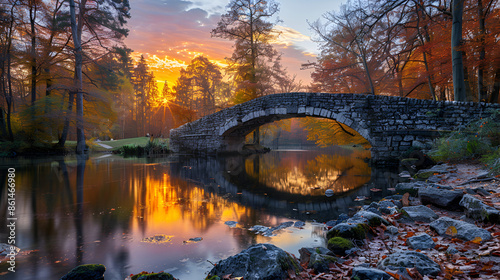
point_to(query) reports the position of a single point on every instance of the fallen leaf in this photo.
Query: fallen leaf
(477, 240)
(405, 200)
(451, 230)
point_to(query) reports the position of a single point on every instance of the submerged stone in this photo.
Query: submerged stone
(87, 272)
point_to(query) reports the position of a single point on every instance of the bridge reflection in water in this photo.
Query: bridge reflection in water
(102, 210)
(291, 184)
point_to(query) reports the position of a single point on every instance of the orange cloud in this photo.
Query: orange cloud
(170, 34)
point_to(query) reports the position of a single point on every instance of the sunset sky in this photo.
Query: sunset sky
(170, 33)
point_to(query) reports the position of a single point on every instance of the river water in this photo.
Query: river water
(171, 214)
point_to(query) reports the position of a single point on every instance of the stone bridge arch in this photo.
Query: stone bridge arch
(391, 124)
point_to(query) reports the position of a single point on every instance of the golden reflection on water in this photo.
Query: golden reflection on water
(122, 204)
(311, 173)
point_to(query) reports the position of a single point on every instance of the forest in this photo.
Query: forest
(66, 73)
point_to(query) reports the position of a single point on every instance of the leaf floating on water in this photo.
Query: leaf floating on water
(375, 190)
(193, 240)
(361, 198)
(158, 239)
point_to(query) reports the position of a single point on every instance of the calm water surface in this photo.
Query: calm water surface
(139, 214)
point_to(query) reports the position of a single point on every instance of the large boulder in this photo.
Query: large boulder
(459, 229)
(356, 231)
(409, 259)
(87, 272)
(443, 198)
(419, 213)
(366, 273)
(260, 261)
(421, 242)
(476, 209)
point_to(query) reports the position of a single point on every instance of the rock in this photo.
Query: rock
(424, 174)
(348, 230)
(422, 242)
(339, 245)
(411, 188)
(392, 230)
(267, 231)
(306, 252)
(395, 199)
(6, 250)
(260, 261)
(442, 198)
(476, 209)
(152, 276)
(87, 272)
(405, 174)
(329, 193)
(231, 224)
(299, 224)
(419, 213)
(409, 259)
(321, 263)
(196, 239)
(367, 217)
(452, 250)
(465, 231)
(365, 273)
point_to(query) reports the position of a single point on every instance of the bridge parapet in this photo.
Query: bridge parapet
(391, 124)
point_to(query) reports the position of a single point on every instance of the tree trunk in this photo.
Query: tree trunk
(456, 53)
(481, 90)
(78, 83)
(33, 55)
(496, 87)
(64, 134)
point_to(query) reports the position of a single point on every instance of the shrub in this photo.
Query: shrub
(480, 138)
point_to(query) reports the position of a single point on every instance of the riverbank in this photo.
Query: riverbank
(443, 226)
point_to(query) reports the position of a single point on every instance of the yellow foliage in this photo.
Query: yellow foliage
(328, 132)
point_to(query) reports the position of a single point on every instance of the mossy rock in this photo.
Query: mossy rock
(153, 276)
(87, 272)
(348, 230)
(215, 277)
(339, 245)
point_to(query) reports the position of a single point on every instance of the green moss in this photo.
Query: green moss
(356, 232)
(289, 262)
(86, 271)
(215, 277)
(153, 276)
(339, 243)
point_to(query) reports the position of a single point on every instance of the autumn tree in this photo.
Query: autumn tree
(246, 22)
(198, 89)
(345, 32)
(103, 21)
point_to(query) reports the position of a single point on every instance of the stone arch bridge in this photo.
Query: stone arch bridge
(391, 124)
